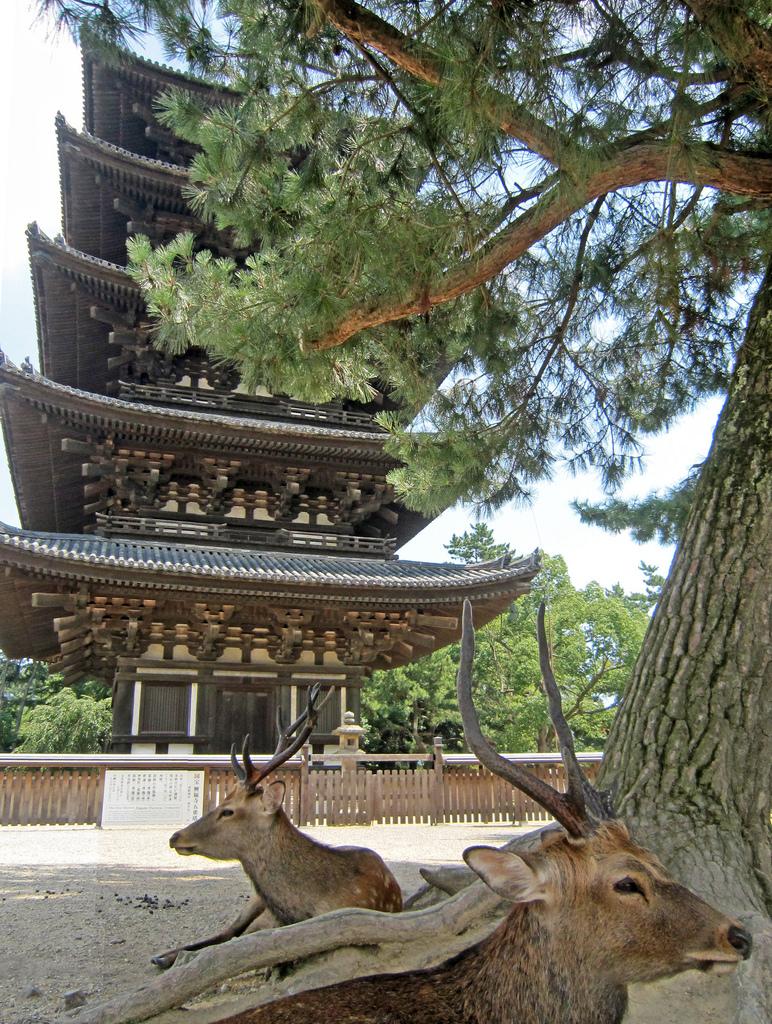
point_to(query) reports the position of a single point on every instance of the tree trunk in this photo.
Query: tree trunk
(690, 754)
(22, 705)
(544, 740)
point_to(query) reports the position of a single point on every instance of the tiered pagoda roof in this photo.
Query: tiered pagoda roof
(94, 334)
(96, 454)
(373, 612)
(109, 193)
(79, 300)
(211, 552)
(119, 103)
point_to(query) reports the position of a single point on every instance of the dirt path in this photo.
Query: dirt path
(84, 909)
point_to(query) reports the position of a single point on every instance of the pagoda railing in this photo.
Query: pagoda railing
(220, 400)
(181, 530)
(350, 789)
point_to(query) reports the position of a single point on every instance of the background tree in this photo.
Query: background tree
(595, 635)
(403, 709)
(66, 724)
(22, 684)
(476, 545)
(27, 685)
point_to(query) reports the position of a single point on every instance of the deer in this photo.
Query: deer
(294, 876)
(591, 911)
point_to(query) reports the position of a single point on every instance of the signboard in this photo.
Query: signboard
(163, 798)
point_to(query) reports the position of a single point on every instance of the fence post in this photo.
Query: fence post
(207, 801)
(438, 784)
(304, 797)
(100, 797)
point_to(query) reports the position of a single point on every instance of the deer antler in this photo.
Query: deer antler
(238, 771)
(242, 774)
(570, 809)
(593, 804)
(287, 746)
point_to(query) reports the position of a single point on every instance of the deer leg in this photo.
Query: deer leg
(261, 922)
(246, 921)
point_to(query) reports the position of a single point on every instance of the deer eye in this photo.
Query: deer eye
(628, 886)
(226, 812)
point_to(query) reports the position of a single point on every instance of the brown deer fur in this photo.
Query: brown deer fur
(564, 954)
(294, 876)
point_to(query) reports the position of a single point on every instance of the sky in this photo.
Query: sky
(40, 75)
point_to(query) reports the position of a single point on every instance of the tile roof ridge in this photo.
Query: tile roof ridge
(36, 233)
(64, 127)
(66, 545)
(307, 429)
(126, 58)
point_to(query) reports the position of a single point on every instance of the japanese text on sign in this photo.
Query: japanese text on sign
(152, 797)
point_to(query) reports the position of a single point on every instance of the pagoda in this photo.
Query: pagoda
(208, 551)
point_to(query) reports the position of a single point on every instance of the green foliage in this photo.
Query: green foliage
(657, 515)
(404, 708)
(26, 685)
(66, 724)
(595, 635)
(476, 545)
(481, 201)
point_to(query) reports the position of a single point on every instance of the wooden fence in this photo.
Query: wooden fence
(41, 789)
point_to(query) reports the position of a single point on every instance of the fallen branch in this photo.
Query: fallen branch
(337, 931)
(449, 880)
(331, 931)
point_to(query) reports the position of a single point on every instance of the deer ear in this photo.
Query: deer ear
(273, 796)
(506, 873)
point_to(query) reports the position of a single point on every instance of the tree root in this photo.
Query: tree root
(415, 938)
(343, 944)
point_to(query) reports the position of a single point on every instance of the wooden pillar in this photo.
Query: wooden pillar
(122, 714)
(136, 705)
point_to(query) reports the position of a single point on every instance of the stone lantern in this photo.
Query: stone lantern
(349, 735)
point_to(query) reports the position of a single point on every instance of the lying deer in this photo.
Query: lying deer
(294, 876)
(592, 912)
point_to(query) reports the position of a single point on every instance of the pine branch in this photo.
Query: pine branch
(366, 28)
(559, 334)
(599, 55)
(699, 164)
(746, 44)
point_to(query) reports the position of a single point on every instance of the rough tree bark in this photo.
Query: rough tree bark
(690, 754)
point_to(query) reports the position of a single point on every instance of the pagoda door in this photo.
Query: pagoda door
(237, 712)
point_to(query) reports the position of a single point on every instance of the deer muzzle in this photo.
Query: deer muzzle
(178, 843)
(734, 946)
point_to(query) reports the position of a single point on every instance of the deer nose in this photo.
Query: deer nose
(740, 940)
(175, 837)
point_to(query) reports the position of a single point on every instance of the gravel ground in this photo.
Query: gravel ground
(84, 909)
